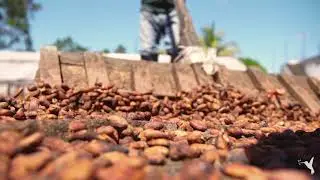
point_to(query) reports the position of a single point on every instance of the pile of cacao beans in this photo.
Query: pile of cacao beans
(102, 132)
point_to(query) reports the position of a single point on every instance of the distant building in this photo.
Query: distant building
(17, 69)
(307, 67)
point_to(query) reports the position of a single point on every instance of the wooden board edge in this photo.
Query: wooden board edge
(314, 85)
(258, 85)
(49, 65)
(296, 95)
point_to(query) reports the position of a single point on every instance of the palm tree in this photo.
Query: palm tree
(213, 39)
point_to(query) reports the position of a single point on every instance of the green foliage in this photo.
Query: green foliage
(212, 39)
(106, 50)
(253, 63)
(15, 22)
(120, 49)
(69, 45)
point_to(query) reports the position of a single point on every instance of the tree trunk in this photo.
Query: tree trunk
(28, 40)
(188, 35)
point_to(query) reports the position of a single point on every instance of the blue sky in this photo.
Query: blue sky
(260, 27)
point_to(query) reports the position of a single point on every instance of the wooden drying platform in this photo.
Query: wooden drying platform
(83, 69)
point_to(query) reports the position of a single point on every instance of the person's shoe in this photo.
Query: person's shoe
(152, 57)
(173, 54)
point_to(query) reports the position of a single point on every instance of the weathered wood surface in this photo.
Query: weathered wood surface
(238, 79)
(72, 58)
(315, 85)
(299, 87)
(155, 77)
(73, 69)
(37, 75)
(264, 82)
(49, 65)
(84, 69)
(267, 82)
(120, 73)
(96, 69)
(201, 76)
(185, 77)
(74, 75)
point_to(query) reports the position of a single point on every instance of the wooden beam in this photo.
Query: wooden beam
(300, 89)
(186, 77)
(72, 58)
(263, 81)
(201, 76)
(315, 85)
(238, 79)
(155, 77)
(74, 76)
(120, 73)
(49, 65)
(268, 82)
(96, 69)
(73, 70)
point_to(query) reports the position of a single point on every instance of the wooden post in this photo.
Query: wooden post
(188, 35)
(49, 65)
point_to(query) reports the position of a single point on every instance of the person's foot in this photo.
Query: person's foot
(152, 57)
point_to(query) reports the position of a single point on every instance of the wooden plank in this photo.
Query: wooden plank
(188, 35)
(185, 77)
(262, 80)
(49, 66)
(155, 77)
(74, 76)
(37, 75)
(267, 82)
(72, 58)
(96, 69)
(315, 85)
(300, 89)
(120, 73)
(201, 76)
(238, 79)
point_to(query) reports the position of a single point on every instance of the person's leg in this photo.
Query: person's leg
(149, 36)
(173, 29)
